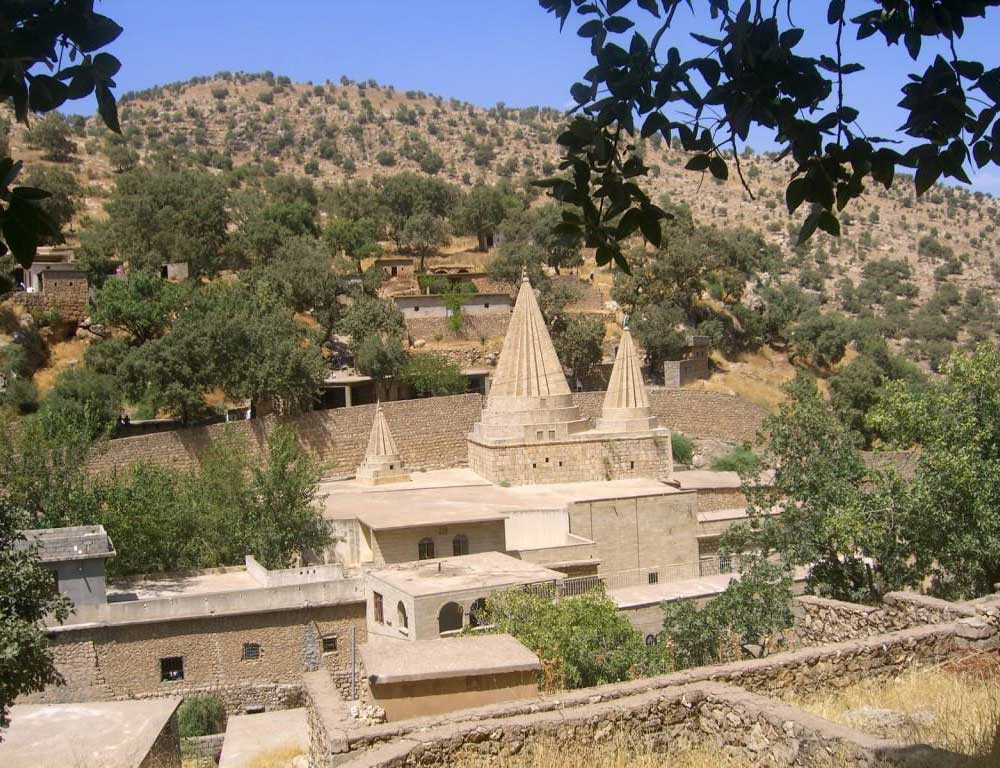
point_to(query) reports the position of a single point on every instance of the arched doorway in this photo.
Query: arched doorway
(449, 618)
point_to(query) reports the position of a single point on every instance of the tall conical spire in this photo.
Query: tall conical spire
(626, 404)
(528, 365)
(382, 463)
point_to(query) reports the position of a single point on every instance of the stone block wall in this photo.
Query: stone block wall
(819, 620)
(123, 661)
(573, 460)
(725, 705)
(430, 432)
(474, 327)
(677, 373)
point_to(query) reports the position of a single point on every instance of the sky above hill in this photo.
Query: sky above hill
(481, 52)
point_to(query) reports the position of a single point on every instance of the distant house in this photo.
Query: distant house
(175, 272)
(692, 365)
(395, 266)
(434, 305)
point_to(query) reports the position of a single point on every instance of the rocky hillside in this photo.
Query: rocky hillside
(938, 251)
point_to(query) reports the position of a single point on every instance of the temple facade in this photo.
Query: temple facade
(532, 432)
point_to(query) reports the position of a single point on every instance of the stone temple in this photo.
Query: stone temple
(532, 432)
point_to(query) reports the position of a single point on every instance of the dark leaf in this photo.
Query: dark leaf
(107, 108)
(795, 194)
(30, 193)
(790, 37)
(650, 6)
(650, 225)
(580, 92)
(616, 5)
(590, 28)
(834, 11)
(912, 42)
(981, 152)
(928, 172)
(629, 223)
(655, 122)
(697, 163)
(809, 226)
(95, 32)
(618, 24)
(828, 223)
(106, 65)
(718, 168)
(46, 93)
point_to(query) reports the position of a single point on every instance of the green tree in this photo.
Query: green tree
(433, 374)
(26, 598)
(406, 194)
(51, 135)
(953, 517)
(64, 196)
(481, 212)
(582, 641)
(91, 401)
(380, 356)
(580, 344)
(158, 216)
(752, 609)
(658, 329)
(423, 234)
(844, 521)
(141, 304)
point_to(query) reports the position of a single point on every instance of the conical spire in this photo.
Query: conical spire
(626, 404)
(380, 442)
(528, 365)
(382, 463)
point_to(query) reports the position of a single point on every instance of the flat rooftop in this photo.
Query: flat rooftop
(460, 495)
(455, 574)
(180, 584)
(684, 589)
(399, 661)
(78, 542)
(250, 739)
(109, 734)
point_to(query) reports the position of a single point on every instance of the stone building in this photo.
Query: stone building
(54, 282)
(531, 430)
(692, 365)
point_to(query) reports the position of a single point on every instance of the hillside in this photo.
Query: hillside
(337, 131)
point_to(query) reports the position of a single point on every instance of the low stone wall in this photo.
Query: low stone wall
(203, 750)
(819, 620)
(691, 705)
(67, 297)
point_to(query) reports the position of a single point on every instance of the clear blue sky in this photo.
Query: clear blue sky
(482, 52)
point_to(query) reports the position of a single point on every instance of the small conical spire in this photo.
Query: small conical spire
(626, 403)
(382, 463)
(380, 442)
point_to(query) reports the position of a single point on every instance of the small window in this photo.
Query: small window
(425, 549)
(402, 621)
(460, 545)
(552, 434)
(55, 581)
(534, 465)
(631, 465)
(172, 669)
(251, 651)
(546, 459)
(257, 709)
(416, 309)
(379, 611)
(653, 577)
(486, 305)
(540, 434)
(650, 640)
(330, 644)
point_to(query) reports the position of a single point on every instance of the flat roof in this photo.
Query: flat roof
(455, 574)
(250, 738)
(178, 584)
(400, 661)
(460, 495)
(684, 589)
(705, 478)
(78, 542)
(109, 734)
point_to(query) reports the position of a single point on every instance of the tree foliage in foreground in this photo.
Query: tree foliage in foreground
(754, 74)
(582, 641)
(26, 597)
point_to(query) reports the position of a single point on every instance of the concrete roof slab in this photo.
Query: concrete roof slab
(111, 734)
(398, 661)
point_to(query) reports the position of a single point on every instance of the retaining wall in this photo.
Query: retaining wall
(430, 432)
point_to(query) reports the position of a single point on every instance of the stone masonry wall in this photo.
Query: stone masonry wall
(819, 620)
(68, 297)
(123, 661)
(165, 752)
(474, 327)
(430, 432)
(671, 710)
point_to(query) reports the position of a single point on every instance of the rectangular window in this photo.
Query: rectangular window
(654, 577)
(379, 611)
(251, 651)
(172, 669)
(330, 644)
(55, 581)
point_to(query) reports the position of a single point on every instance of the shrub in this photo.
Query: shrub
(742, 460)
(386, 158)
(201, 716)
(682, 446)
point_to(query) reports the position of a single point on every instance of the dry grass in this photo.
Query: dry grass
(285, 757)
(957, 709)
(63, 355)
